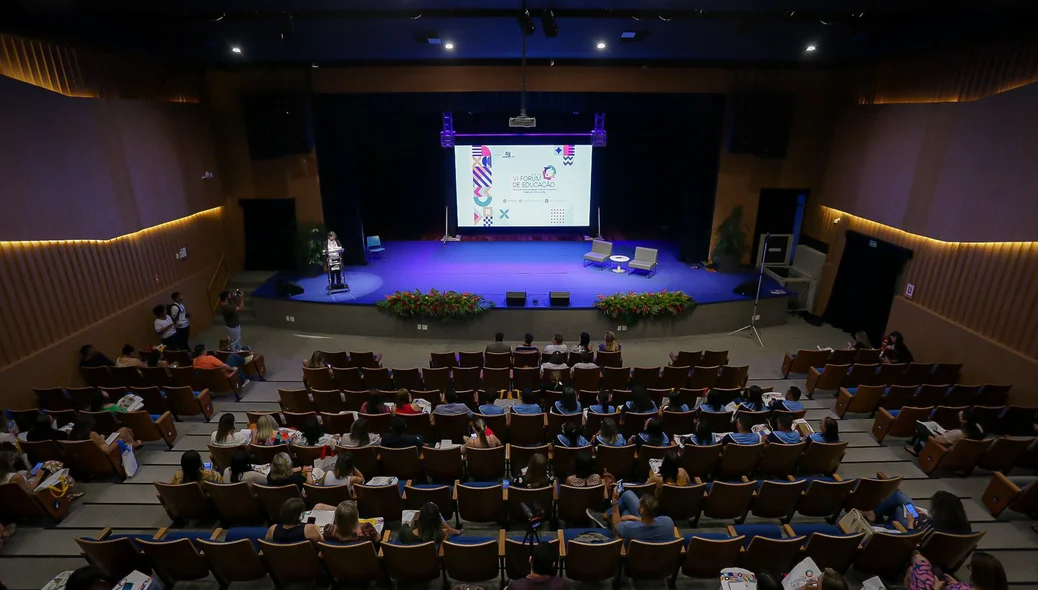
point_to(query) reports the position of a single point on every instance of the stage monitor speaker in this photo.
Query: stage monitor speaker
(747, 289)
(288, 288)
(515, 298)
(760, 124)
(278, 124)
(559, 298)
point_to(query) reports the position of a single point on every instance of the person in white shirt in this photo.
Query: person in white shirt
(586, 362)
(182, 320)
(165, 327)
(227, 435)
(556, 346)
(556, 364)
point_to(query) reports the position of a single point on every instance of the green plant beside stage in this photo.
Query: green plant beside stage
(446, 305)
(632, 306)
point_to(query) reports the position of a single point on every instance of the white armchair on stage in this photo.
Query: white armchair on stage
(644, 259)
(600, 252)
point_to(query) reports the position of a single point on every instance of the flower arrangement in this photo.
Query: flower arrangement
(631, 306)
(446, 305)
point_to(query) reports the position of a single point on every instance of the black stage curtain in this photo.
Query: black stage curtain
(865, 285)
(383, 171)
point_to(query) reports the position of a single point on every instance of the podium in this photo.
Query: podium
(336, 275)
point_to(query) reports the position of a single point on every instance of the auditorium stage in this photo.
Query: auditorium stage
(491, 269)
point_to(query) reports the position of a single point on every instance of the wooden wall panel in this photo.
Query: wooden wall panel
(50, 290)
(988, 287)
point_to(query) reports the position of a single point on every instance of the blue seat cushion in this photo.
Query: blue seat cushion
(401, 484)
(760, 482)
(428, 486)
(155, 417)
(481, 484)
(894, 413)
(570, 534)
(251, 533)
(758, 530)
(463, 540)
(707, 536)
(852, 390)
(809, 529)
(812, 478)
(197, 393)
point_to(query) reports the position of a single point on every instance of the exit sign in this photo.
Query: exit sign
(909, 290)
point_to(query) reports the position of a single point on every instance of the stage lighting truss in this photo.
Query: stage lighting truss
(598, 134)
(447, 135)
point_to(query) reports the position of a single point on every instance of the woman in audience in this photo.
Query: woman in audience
(9, 434)
(290, 527)
(344, 472)
(830, 579)
(946, 513)
(376, 404)
(669, 473)
(358, 436)
(568, 405)
(584, 345)
(282, 473)
(43, 429)
(266, 434)
(154, 359)
(584, 475)
(570, 436)
(481, 437)
(428, 525)
(314, 436)
(227, 435)
(675, 402)
(753, 400)
(241, 470)
(830, 431)
(405, 405)
(316, 360)
(609, 435)
(895, 351)
(714, 402)
(985, 573)
(640, 401)
(9, 472)
(536, 475)
(968, 428)
(703, 437)
(603, 406)
(610, 344)
(653, 434)
(192, 471)
(347, 527)
(129, 358)
(85, 428)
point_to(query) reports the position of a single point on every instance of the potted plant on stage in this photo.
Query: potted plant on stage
(731, 243)
(310, 239)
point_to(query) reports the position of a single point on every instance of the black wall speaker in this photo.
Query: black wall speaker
(760, 124)
(559, 298)
(288, 288)
(515, 298)
(278, 125)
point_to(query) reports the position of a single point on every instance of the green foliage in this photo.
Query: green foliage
(632, 306)
(446, 305)
(731, 236)
(310, 239)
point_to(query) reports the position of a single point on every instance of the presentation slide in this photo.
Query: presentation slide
(523, 185)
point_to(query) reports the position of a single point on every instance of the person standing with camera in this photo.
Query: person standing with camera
(230, 306)
(182, 319)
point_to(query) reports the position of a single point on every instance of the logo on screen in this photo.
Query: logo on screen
(507, 155)
(549, 172)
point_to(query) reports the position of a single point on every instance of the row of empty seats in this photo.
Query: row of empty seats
(832, 377)
(866, 399)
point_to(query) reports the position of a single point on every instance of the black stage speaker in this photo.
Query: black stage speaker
(288, 288)
(278, 124)
(747, 289)
(515, 298)
(760, 124)
(559, 298)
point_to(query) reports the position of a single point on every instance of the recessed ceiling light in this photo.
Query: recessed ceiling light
(448, 45)
(235, 49)
(601, 45)
(810, 48)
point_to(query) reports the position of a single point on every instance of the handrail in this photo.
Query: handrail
(216, 273)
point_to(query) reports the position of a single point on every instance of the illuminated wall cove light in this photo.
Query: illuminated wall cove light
(215, 211)
(839, 215)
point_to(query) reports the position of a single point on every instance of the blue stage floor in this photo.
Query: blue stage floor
(492, 268)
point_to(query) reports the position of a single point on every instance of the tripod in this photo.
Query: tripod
(533, 537)
(756, 300)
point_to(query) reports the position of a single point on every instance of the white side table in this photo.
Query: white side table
(619, 260)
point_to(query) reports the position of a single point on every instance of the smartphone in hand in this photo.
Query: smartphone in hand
(35, 469)
(911, 511)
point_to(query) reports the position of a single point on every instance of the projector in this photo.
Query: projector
(522, 121)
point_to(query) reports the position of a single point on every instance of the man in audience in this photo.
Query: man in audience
(543, 562)
(784, 432)
(397, 439)
(498, 345)
(586, 362)
(229, 307)
(555, 368)
(211, 361)
(791, 403)
(130, 358)
(529, 405)
(556, 346)
(165, 327)
(744, 434)
(252, 363)
(451, 405)
(182, 320)
(634, 518)
(90, 357)
(527, 345)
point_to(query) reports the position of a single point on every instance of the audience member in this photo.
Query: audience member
(608, 434)
(269, 434)
(359, 436)
(491, 409)
(669, 473)
(192, 471)
(87, 577)
(571, 436)
(9, 434)
(703, 436)
(227, 435)
(653, 434)
(830, 431)
(498, 345)
(603, 406)
(99, 403)
(743, 434)
(85, 428)
(675, 403)
(428, 525)
(555, 368)
(290, 527)
(211, 361)
(129, 358)
(91, 357)
(375, 404)
(556, 346)
(244, 356)
(895, 350)
(451, 405)
(634, 518)
(527, 345)
(397, 438)
(181, 319)
(43, 429)
(610, 344)
(568, 405)
(946, 513)
(154, 358)
(543, 562)
(714, 402)
(535, 475)
(587, 361)
(283, 474)
(640, 401)
(343, 473)
(316, 361)
(584, 475)
(347, 527)
(583, 346)
(529, 403)
(968, 428)
(405, 404)
(830, 579)
(784, 432)
(753, 400)
(313, 435)
(241, 469)
(230, 306)
(791, 403)
(9, 472)
(165, 327)
(481, 437)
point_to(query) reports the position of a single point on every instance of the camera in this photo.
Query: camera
(534, 516)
